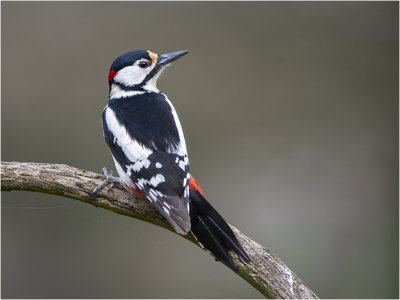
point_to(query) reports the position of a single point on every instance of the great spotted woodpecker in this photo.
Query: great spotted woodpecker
(145, 136)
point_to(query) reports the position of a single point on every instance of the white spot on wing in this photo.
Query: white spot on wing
(156, 180)
(186, 192)
(153, 193)
(158, 165)
(182, 165)
(138, 165)
(152, 198)
(166, 210)
(140, 184)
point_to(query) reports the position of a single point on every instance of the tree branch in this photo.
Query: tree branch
(266, 272)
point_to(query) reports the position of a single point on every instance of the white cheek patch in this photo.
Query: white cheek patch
(131, 75)
(151, 85)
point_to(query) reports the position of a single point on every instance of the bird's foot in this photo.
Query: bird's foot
(110, 179)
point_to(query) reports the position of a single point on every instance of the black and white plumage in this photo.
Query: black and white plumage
(145, 136)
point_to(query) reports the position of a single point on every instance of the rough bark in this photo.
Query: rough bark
(266, 272)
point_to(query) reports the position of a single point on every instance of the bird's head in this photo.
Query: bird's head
(139, 69)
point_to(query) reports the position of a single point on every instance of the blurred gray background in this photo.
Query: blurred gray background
(290, 112)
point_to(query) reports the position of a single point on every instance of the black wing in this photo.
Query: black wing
(159, 167)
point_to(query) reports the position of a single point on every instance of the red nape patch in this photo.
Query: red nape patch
(111, 75)
(194, 185)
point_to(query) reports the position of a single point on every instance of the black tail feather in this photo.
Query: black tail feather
(232, 241)
(212, 231)
(212, 243)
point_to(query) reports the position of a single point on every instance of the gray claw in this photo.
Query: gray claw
(110, 179)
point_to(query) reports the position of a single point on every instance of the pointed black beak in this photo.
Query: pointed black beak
(165, 59)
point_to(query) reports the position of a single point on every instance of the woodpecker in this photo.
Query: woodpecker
(143, 131)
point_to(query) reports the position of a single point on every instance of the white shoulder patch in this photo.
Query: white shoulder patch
(132, 149)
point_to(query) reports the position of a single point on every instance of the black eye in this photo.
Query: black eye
(144, 64)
